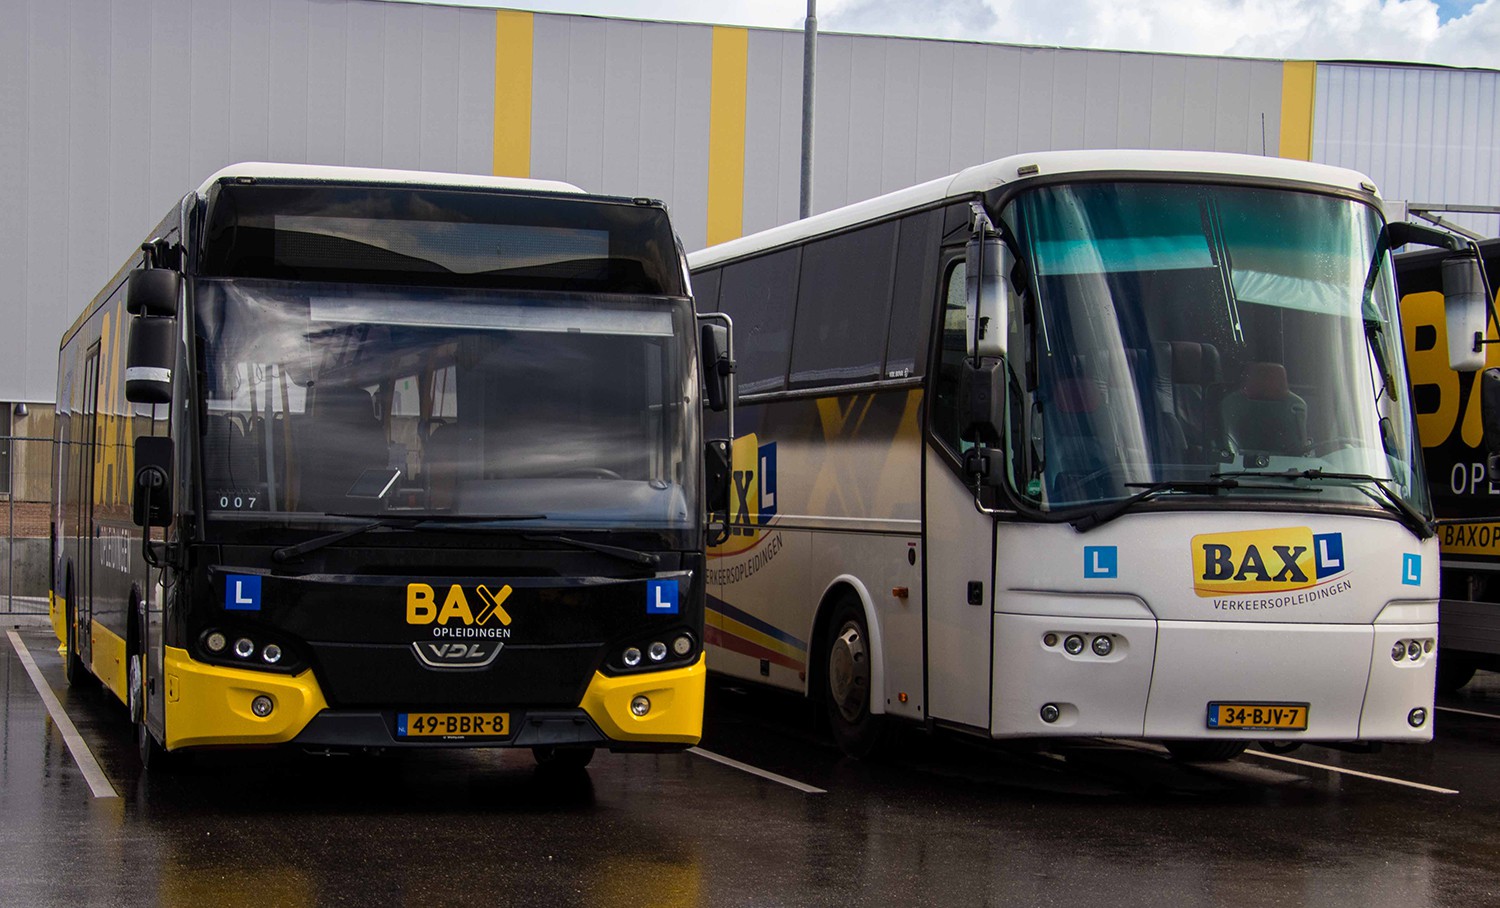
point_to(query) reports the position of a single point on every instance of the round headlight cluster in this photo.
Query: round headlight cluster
(658, 651)
(1412, 650)
(1102, 645)
(218, 644)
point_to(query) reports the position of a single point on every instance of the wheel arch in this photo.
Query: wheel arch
(851, 587)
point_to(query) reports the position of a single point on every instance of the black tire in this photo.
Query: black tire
(1206, 751)
(1280, 747)
(153, 755)
(562, 757)
(1454, 670)
(76, 673)
(858, 732)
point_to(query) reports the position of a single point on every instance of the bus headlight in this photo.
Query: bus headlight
(631, 657)
(261, 706)
(657, 651)
(1073, 644)
(682, 645)
(215, 642)
(1103, 645)
(1414, 651)
(1398, 652)
(640, 705)
(272, 654)
(244, 647)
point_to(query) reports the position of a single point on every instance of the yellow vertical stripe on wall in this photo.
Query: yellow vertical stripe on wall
(1299, 85)
(726, 134)
(514, 34)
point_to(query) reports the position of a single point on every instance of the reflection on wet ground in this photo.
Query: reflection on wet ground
(940, 821)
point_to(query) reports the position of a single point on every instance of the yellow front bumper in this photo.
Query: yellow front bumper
(676, 714)
(209, 705)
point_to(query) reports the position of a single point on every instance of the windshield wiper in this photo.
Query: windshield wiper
(616, 551)
(1114, 509)
(1388, 498)
(290, 552)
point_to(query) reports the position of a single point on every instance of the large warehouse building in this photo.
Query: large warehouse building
(110, 118)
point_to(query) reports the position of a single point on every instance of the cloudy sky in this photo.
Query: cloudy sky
(1453, 32)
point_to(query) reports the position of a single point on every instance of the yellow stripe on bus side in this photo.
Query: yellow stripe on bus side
(759, 638)
(1299, 86)
(514, 35)
(726, 134)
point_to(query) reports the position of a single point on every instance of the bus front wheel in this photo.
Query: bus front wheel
(153, 755)
(857, 731)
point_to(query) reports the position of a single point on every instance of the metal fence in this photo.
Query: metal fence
(26, 473)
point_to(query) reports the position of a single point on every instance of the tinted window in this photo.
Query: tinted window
(440, 237)
(911, 306)
(706, 290)
(760, 295)
(843, 307)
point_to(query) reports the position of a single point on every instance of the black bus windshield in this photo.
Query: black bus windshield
(570, 410)
(1175, 333)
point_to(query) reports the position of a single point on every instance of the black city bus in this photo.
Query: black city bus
(1463, 496)
(420, 462)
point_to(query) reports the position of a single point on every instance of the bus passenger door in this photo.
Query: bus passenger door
(960, 542)
(960, 597)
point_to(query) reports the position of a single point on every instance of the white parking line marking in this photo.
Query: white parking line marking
(1351, 772)
(92, 772)
(1465, 712)
(757, 771)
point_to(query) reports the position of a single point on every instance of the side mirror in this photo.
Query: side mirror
(716, 475)
(1464, 309)
(717, 366)
(152, 501)
(153, 291)
(149, 358)
(987, 261)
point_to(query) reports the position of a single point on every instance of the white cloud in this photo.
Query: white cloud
(1400, 30)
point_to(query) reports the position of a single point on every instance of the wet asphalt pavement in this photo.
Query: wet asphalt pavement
(941, 821)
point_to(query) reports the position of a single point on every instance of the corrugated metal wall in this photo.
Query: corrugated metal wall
(622, 107)
(1423, 134)
(892, 112)
(110, 111)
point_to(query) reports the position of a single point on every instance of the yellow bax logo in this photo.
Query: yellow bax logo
(1264, 561)
(422, 606)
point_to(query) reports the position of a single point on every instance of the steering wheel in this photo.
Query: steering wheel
(589, 473)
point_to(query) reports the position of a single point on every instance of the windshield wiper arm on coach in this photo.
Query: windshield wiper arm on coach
(1388, 498)
(290, 552)
(616, 551)
(1114, 509)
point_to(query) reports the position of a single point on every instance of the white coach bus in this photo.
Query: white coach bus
(1083, 443)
